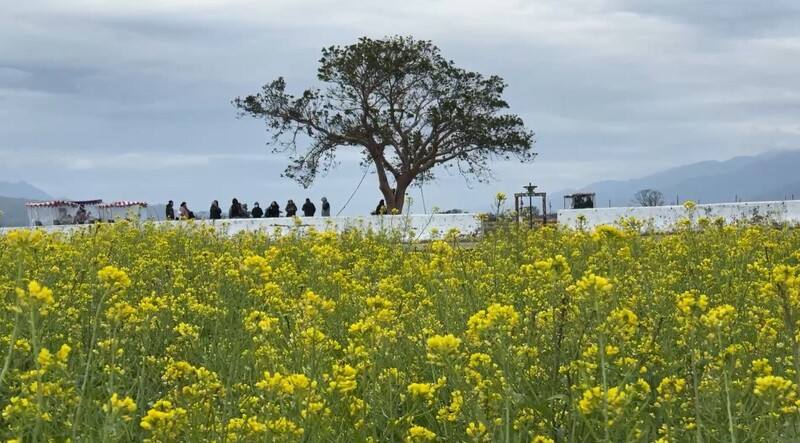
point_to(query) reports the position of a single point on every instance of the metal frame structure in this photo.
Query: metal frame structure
(530, 193)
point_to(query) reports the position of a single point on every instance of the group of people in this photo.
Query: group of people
(184, 213)
(240, 210)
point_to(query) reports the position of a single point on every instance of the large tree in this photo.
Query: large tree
(403, 105)
(648, 197)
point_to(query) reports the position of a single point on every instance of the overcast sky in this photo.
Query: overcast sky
(131, 99)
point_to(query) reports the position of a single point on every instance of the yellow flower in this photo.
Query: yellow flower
(592, 400)
(772, 385)
(419, 433)
(164, 420)
(24, 238)
(670, 388)
(114, 278)
(45, 358)
(761, 367)
(187, 331)
(286, 384)
(496, 318)
(63, 353)
(344, 379)
(623, 322)
(718, 316)
(476, 430)
(591, 284)
(442, 346)
(40, 293)
(37, 297)
(123, 407)
(689, 302)
(422, 390)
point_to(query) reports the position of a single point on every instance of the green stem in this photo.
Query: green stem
(75, 421)
(697, 423)
(7, 362)
(727, 390)
(604, 378)
(605, 387)
(36, 348)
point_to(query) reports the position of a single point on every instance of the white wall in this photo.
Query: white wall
(422, 225)
(664, 218)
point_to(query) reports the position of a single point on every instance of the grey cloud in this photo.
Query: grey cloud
(728, 18)
(612, 88)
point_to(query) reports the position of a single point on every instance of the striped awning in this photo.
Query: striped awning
(51, 204)
(123, 204)
(87, 202)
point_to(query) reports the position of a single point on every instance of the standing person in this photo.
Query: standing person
(170, 210)
(257, 212)
(81, 216)
(291, 208)
(185, 213)
(273, 210)
(381, 209)
(308, 208)
(236, 209)
(326, 207)
(245, 213)
(215, 212)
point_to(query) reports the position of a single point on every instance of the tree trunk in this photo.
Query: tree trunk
(399, 194)
(395, 198)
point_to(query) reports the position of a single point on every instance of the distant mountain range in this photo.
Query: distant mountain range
(22, 190)
(13, 212)
(774, 175)
(12, 202)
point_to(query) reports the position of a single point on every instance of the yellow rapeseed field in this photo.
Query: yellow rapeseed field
(130, 332)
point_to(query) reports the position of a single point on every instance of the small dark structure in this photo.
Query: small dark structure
(530, 193)
(580, 200)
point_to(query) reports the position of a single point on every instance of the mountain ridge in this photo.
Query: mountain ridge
(22, 189)
(772, 175)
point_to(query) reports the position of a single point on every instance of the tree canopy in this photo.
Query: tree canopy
(648, 197)
(403, 105)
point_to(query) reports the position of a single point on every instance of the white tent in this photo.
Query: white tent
(62, 212)
(92, 208)
(123, 210)
(56, 212)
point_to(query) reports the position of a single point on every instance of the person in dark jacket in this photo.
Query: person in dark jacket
(273, 210)
(236, 210)
(170, 210)
(309, 209)
(186, 213)
(291, 208)
(215, 212)
(81, 216)
(381, 209)
(257, 212)
(326, 208)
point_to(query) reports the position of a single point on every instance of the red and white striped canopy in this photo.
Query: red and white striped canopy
(87, 202)
(123, 204)
(51, 204)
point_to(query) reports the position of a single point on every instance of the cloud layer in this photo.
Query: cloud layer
(130, 99)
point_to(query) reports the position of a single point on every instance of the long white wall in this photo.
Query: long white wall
(422, 225)
(664, 218)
